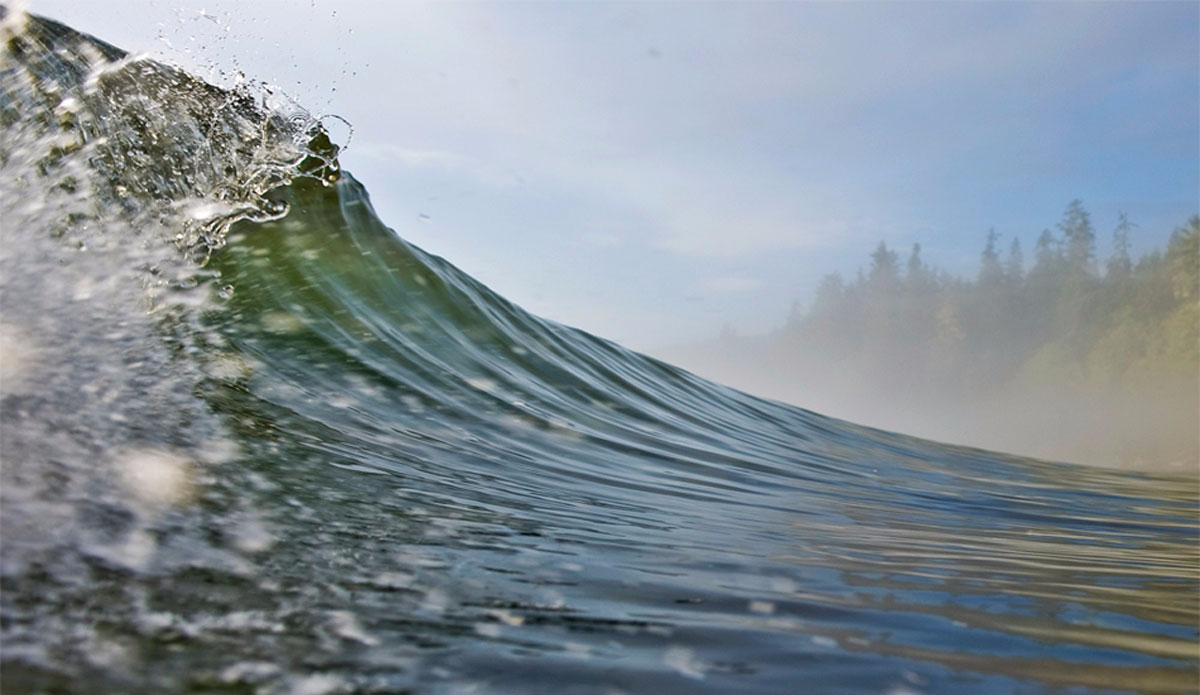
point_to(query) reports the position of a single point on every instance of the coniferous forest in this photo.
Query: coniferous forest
(1072, 349)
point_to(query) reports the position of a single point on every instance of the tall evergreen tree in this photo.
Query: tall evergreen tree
(1183, 260)
(915, 267)
(831, 293)
(1047, 255)
(1119, 263)
(884, 266)
(1014, 268)
(916, 275)
(990, 270)
(1079, 238)
(1046, 249)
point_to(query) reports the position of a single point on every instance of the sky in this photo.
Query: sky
(658, 172)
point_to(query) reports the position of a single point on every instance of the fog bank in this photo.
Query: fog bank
(1071, 358)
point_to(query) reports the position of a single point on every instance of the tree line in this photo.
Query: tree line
(1105, 350)
(1069, 319)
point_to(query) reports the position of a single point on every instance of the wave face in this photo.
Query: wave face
(253, 441)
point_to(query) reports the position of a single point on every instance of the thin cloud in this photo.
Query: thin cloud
(797, 126)
(732, 284)
(441, 161)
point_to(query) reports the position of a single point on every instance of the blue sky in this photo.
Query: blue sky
(652, 172)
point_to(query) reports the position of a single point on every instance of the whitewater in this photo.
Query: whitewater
(253, 441)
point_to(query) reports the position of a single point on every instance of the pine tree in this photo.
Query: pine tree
(1183, 260)
(830, 293)
(1119, 263)
(1079, 238)
(884, 267)
(917, 275)
(1014, 268)
(915, 267)
(990, 271)
(1047, 254)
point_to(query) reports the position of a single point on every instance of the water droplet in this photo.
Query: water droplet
(684, 661)
(156, 478)
(764, 607)
(225, 292)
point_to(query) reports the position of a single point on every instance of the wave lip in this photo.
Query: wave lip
(137, 135)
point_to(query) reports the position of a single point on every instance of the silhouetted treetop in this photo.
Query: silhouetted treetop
(1079, 238)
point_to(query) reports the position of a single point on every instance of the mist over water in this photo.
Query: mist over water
(1070, 358)
(1150, 430)
(253, 441)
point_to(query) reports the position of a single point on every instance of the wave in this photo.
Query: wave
(254, 441)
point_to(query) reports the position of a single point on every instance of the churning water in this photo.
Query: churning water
(254, 442)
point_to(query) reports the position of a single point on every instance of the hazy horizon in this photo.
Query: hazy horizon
(1081, 355)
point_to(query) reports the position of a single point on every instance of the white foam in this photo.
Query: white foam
(156, 478)
(18, 354)
(684, 661)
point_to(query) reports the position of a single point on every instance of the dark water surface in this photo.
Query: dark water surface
(254, 442)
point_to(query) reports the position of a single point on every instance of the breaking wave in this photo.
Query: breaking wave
(253, 441)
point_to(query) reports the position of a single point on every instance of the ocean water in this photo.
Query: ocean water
(255, 442)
